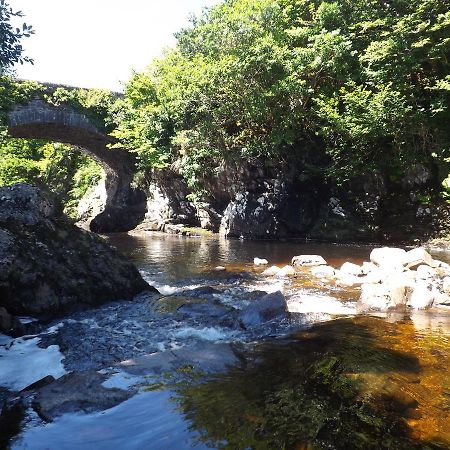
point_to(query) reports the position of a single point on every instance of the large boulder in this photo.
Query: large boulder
(388, 257)
(418, 256)
(382, 297)
(77, 392)
(48, 266)
(423, 295)
(264, 309)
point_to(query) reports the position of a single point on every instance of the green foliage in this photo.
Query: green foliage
(98, 105)
(10, 37)
(13, 92)
(57, 167)
(363, 83)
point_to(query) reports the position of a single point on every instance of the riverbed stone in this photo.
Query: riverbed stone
(269, 307)
(77, 392)
(286, 271)
(351, 269)
(272, 271)
(308, 260)
(260, 262)
(347, 280)
(323, 271)
(388, 257)
(48, 266)
(422, 296)
(417, 256)
(205, 309)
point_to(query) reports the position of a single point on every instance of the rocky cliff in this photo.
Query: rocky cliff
(48, 266)
(261, 200)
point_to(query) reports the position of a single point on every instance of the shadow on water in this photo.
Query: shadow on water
(335, 385)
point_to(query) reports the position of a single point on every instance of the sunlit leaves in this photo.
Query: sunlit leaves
(364, 81)
(11, 51)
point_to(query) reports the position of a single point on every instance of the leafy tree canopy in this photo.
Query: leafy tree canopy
(11, 51)
(363, 83)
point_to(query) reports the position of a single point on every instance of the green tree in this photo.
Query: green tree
(344, 87)
(11, 51)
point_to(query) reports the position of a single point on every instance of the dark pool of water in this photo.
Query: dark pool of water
(351, 382)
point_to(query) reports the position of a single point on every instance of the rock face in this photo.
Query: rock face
(48, 266)
(259, 215)
(260, 199)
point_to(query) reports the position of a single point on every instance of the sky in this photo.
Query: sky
(97, 43)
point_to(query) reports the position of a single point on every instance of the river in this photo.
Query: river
(322, 378)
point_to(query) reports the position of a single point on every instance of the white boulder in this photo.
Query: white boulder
(286, 271)
(271, 271)
(349, 268)
(446, 285)
(422, 296)
(367, 267)
(418, 256)
(323, 271)
(260, 262)
(308, 260)
(381, 297)
(425, 272)
(388, 257)
(346, 280)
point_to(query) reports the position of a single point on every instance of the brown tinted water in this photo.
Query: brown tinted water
(342, 382)
(397, 365)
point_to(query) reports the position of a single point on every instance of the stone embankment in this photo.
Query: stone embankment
(48, 266)
(393, 279)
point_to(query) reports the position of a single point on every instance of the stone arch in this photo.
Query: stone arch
(125, 206)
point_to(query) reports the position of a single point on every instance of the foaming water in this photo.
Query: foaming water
(22, 363)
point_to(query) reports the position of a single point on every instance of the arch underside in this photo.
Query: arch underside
(125, 206)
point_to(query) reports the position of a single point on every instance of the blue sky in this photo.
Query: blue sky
(96, 43)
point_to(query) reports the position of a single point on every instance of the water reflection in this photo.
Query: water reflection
(350, 383)
(177, 257)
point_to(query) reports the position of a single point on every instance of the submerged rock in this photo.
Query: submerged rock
(201, 356)
(77, 392)
(264, 309)
(48, 266)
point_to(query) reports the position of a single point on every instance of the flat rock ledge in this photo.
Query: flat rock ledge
(49, 267)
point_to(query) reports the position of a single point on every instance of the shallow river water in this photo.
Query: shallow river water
(322, 378)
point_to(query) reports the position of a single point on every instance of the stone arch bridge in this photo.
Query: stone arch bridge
(125, 206)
